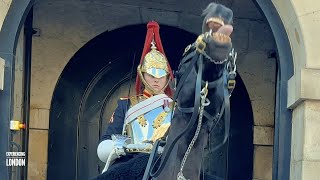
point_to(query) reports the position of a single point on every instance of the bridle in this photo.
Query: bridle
(228, 79)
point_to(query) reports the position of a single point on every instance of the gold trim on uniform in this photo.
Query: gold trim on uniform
(111, 118)
(133, 100)
(124, 98)
(159, 119)
(142, 120)
(156, 122)
(159, 128)
(160, 132)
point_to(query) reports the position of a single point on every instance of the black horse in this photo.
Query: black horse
(200, 80)
(208, 58)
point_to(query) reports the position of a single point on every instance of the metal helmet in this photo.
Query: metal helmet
(153, 61)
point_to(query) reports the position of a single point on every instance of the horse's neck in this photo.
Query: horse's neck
(211, 72)
(194, 161)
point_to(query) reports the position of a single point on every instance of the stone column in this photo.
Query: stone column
(305, 158)
(1, 73)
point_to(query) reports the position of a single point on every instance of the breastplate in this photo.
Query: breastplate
(150, 126)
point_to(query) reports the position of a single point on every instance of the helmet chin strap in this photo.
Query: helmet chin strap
(153, 91)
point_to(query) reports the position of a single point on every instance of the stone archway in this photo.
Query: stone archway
(282, 161)
(283, 116)
(99, 65)
(84, 86)
(10, 29)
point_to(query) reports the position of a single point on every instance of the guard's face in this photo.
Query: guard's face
(157, 84)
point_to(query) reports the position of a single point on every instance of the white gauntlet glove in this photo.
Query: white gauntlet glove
(120, 141)
(109, 150)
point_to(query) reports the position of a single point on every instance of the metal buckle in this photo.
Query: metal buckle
(231, 84)
(231, 68)
(186, 49)
(204, 91)
(200, 44)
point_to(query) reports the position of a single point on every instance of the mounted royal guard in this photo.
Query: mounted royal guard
(139, 120)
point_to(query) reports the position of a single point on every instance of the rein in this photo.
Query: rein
(204, 93)
(199, 58)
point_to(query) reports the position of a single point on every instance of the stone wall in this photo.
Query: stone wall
(2, 64)
(301, 21)
(4, 7)
(305, 149)
(18, 94)
(61, 35)
(65, 26)
(254, 41)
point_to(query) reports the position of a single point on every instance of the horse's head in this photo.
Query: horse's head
(216, 13)
(216, 43)
(216, 28)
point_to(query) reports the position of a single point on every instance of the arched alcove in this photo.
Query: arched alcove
(93, 77)
(90, 76)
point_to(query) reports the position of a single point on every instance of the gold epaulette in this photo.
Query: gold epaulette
(124, 98)
(136, 99)
(133, 100)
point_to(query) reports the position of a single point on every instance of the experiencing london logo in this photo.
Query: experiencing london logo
(15, 159)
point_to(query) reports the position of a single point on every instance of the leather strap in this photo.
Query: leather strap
(194, 114)
(226, 107)
(152, 157)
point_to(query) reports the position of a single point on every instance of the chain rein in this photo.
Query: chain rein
(203, 93)
(231, 69)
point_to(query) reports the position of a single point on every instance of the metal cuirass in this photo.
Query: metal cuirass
(150, 124)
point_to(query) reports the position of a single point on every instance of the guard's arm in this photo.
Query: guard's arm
(110, 143)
